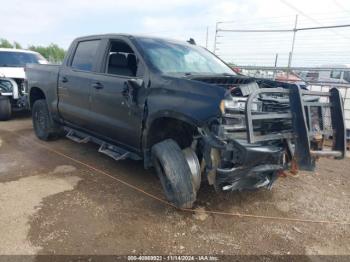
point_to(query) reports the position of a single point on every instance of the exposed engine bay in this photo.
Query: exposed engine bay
(15, 90)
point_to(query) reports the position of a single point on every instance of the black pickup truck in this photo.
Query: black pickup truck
(183, 111)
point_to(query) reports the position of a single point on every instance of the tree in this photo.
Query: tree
(5, 43)
(53, 52)
(17, 45)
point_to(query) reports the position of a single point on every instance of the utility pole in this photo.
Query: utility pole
(293, 43)
(274, 71)
(206, 38)
(216, 35)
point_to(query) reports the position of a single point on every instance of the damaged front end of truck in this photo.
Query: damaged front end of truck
(266, 129)
(13, 96)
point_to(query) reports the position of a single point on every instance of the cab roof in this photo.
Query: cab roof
(135, 36)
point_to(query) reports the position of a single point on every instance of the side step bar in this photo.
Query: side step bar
(114, 152)
(74, 137)
(111, 150)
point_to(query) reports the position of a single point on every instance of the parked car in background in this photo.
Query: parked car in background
(309, 76)
(13, 95)
(331, 74)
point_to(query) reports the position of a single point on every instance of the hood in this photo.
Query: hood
(12, 72)
(238, 84)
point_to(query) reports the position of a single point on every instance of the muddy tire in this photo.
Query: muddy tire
(174, 173)
(5, 108)
(44, 127)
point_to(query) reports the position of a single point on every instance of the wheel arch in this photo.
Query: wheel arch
(176, 126)
(35, 94)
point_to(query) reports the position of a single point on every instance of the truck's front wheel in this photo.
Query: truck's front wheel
(44, 127)
(5, 108)
(174, 173)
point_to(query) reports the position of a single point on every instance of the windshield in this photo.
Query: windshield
(172, 57)
(20, 59)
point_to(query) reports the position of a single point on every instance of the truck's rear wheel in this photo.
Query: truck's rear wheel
(5, 108)
(174, 173)
(44, 127)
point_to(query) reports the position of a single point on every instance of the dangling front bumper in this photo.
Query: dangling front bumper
(258, 167)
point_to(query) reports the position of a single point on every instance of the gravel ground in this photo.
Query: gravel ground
(52, 205)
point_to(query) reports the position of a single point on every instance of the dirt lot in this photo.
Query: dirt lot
(50, 204)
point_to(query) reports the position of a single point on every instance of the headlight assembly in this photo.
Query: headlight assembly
(237, 105)
(233, 113)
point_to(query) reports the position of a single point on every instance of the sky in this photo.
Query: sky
(40, 22)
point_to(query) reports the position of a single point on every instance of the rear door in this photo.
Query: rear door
(116, 117)
(74, 83)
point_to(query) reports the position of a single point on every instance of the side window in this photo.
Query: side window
(336, 74)
(85, 54)
(121, 60)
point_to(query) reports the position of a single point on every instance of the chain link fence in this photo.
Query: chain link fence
(285, 41)
(312, 51)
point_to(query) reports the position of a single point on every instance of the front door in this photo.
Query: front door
(115, 96)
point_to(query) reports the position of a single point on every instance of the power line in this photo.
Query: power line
(281, 30)
(340, 6)
(305, 15)
(322, 27)
(259, 19)
(300, 12)
(256, 30)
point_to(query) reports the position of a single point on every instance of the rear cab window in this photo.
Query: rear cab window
(85, 55)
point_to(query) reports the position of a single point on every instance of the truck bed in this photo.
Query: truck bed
(44, 77)
(36, 73)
